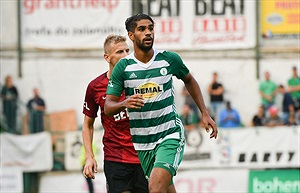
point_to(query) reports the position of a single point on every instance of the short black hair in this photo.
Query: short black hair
(130, 22)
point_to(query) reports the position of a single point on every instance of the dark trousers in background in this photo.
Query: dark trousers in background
(10, 113)
(90, 184)
(36, 123)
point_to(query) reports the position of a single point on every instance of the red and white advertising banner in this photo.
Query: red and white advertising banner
(259, 147)
(206, 24)
(84, 24)
(193, 181)
(212, 181)
(73, 24)
(73, 141)
(29, 153)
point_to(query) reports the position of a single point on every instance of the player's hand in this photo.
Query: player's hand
(90, 168)
(208, 124)
(135, 101)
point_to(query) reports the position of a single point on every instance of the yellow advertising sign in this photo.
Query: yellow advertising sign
(280, 17)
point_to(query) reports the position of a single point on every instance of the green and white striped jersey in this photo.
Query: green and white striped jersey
(157, 120)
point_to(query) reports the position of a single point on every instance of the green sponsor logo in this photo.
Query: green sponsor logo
(274, 181)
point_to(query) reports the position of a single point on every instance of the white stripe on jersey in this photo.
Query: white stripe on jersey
(150, 114)
(154, 65)
(180, 148)
(137, 82)
(153, 130)
(149, 146)
(159, 97)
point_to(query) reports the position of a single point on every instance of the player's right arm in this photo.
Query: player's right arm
(115, 88)
(113, 106)
(87, 135)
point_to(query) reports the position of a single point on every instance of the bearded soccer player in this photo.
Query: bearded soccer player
(157, 132)
(122, 168)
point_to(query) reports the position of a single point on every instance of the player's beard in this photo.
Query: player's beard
(141, 45)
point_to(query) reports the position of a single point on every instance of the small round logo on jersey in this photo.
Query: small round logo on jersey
(163, 71)
(149, 90)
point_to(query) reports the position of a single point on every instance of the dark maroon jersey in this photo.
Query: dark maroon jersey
(117, 140)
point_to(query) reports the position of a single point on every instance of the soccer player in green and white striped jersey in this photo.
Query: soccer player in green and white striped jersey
(146, 76)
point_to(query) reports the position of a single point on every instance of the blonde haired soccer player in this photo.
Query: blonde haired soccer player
(122, 168)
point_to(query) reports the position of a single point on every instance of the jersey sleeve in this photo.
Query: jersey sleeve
(90, 107)
(116, 82)
(179, 69)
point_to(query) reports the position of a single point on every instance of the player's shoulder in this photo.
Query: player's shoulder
(124, 62)
(166, 54)
(101, 79)
(169, 56)
(129, 59)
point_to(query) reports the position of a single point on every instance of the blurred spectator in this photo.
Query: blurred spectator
(190, 102)
(294, 88)
(259, 118)
(286, 107)
(267, 90)
(9, 94)
(188, 118)
(36, 107)
(273, 119)
(291, 121)
(215, 90)
(229, 117)
(297, 117)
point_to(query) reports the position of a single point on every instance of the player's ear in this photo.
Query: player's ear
(106, 57)
(130, 35)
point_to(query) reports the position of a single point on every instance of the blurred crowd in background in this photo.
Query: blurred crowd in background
(280, 105)
(35, 108)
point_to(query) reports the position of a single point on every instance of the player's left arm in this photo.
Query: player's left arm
(87, 135)
(193, 87)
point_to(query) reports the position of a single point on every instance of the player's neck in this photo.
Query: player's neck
(111, 67)
(108, 74)
(143, 56)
